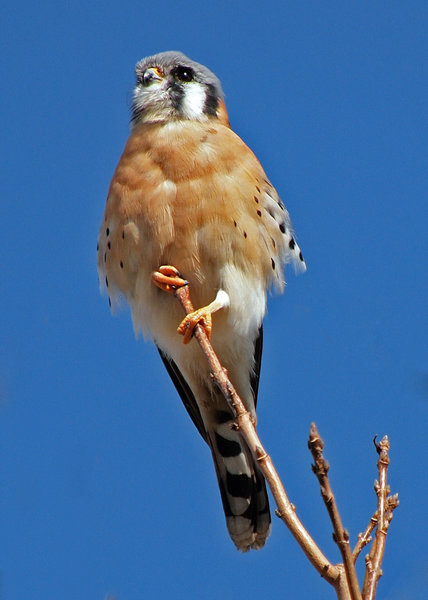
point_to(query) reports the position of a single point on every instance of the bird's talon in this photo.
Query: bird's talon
(188, 324)
(168, 278)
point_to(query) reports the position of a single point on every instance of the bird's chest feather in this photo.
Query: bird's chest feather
(190, 196)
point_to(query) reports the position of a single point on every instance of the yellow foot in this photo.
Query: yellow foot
(188, 324)
(168, 279)
(203, 316)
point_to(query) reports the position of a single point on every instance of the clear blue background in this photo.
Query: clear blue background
(107, 490)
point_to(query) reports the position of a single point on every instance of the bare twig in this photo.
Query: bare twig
(286, 510)
(341, 576)
(385, 508)
(340, 535)
(365, 537)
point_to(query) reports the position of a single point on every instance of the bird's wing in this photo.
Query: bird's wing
(186, 393)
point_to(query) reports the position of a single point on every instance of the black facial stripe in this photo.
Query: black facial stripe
(211, 100)
(176, 92)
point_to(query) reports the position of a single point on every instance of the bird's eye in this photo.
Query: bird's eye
(184, 74)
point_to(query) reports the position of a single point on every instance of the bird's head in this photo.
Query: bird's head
(171, 86)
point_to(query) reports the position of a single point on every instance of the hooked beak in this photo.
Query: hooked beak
(151, 75)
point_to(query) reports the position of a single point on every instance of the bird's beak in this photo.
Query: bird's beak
(152, 74)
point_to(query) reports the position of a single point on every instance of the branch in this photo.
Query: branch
(384, 513)
(341, 576)
(340, 535)
(286, 511)
(364, 538)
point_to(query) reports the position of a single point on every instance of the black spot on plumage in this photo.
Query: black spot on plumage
(291, 244)
(121, 264)
(256, 199)
(259, 212)
(301, 256)
(98, 246)
(273, 264)
(109, 245)
(109, 301)
(107, 231)
(258, 189)
(245, 234)
(227, 448)
(106, 282)
(235, 223)
(105, 256)
(238, 486)
(282, 227)
(123, 235)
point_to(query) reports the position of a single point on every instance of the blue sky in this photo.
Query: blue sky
(107, 488)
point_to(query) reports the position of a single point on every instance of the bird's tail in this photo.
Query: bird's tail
(242, 487)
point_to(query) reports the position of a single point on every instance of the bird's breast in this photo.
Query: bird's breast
(187, 194)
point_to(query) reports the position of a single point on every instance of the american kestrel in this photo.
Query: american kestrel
(188, 192)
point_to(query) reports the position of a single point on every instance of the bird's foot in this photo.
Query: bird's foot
(168, 278)
(202, 316)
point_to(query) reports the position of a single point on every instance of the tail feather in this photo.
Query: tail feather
(242, 488)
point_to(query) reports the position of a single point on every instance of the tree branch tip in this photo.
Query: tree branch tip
(315, 440)
(313, 430)
(383, 446)
(393, 501)
(376, 445)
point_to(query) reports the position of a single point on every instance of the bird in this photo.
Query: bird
(189, 199)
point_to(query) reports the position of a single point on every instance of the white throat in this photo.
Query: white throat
(193, 102)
